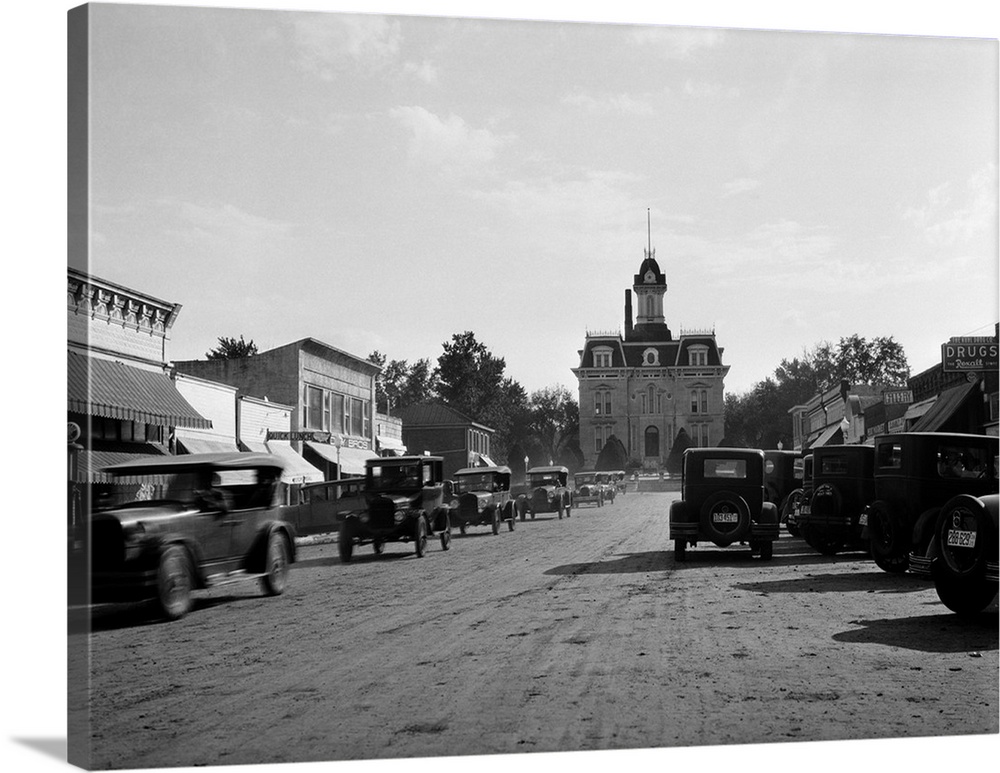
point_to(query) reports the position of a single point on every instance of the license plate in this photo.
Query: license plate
(863, 520)
(725, 517)
(805, 510)
(961, 539)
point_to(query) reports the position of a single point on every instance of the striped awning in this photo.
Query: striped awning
(91, 462)
(114, 390)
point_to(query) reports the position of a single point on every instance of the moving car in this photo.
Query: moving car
(320, 507)
(482, 498)
(587, 490)
(404, 502)
(916, 473)
(193, 521)
(722, 501)
(548, 492)
(607, 482)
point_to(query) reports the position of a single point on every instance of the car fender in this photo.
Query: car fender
(258, 553)
(923, 528)
(768, 513)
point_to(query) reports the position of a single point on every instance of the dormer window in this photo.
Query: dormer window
(698, 355)
(602, 357)
(651, 357)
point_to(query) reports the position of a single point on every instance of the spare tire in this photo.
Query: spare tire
(964, 533)
(826, 501)
(725, 517)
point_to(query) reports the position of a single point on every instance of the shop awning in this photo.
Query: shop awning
(206, 446)
(829, 437)
(485, 461)
(90, 462)
(297, 469)
(948, 403)
(393, 444)
(917, 410)
(352, 460)
(115, 390)
(254, 446)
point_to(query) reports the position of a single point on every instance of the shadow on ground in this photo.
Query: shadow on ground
(944, 633)
(841, 582)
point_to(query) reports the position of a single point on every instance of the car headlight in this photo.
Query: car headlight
(398, 517)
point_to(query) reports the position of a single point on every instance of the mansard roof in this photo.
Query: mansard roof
(629, 353)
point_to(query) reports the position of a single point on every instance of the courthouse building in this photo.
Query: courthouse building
(647, 386)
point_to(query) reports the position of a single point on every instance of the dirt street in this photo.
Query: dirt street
(574, 634)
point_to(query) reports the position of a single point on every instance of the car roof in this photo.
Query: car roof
(473, 470)
(383, 460)
(548, 469)
(335, 481)
(234, 460)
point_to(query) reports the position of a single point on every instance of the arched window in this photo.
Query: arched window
(652, 445)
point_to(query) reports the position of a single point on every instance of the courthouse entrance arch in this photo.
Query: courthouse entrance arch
(652, 442)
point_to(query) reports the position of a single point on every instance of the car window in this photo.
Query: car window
(833, 465)
(963, 461)
(889, 456)
(730, 469)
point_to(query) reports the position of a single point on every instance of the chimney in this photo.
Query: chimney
(628, 313)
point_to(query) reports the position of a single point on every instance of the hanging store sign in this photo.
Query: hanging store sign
(970, 353)
(898, 397)
(305, 437)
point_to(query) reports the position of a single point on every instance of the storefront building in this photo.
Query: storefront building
(834, 417)
(646, 386)
(438, 429)
(330, 392)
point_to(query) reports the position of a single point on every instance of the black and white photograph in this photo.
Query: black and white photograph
(506, 384)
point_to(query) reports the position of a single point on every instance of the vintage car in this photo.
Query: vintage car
(843, 485)
(193, 521)
(548, 492)
(621, 482)
(916, 473)
(607, 481)
(587, 489)
(965, 569)
(404, 502)
(798, 499)
(722, 501)
(782, 475)
(482, 498)
(320, 507)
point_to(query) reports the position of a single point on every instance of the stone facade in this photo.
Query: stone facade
(645, 386)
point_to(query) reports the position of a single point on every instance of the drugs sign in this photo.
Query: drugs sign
(970, 354)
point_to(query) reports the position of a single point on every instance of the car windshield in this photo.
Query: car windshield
(394, 476)
(482, 481)
(186, 486)
(581, 479)
(544, 479)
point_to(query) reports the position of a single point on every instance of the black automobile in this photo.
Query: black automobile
(482, 498)
(843, 485)
(798, 500)
(187, 522)
(722, 501)
(404, 502)
(964, 544)
(916, 473)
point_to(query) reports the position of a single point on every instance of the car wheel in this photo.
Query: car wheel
(766, 550)
(446, 539)
(420, 537)
(345, 542)
(792, 501)
(890, 546)
(275, 578)
(725, 504)
(966, 515)
(522, 509)
(495, 521)
(561, 509)
(174, 582)
(965, 597)
(378, 546)
(461, 529)
(510, 521)
(569, 509)
(680, 550)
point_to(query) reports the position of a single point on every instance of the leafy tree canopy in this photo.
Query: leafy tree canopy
(231, 349)
(401, 384)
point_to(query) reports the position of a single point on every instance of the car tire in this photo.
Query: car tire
(462, 528)
(378, 546)
(345, 542)
(680, 550)
(730, 501)
(174, 582)
(495, 521)
(970, 513)
(826, 546)
(889, 542)
(446, 539)
(511, 520)
(789, 505)
(420, 536)
(561, 509)
(522, 510)
(965, 597)
(766, 550)
(276, 568)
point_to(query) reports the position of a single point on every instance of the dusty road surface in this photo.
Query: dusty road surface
(568, 634)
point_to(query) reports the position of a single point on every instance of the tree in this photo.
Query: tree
(401, 384)
(676, 456)
(231, 349)
(551, 419)
(613, 456)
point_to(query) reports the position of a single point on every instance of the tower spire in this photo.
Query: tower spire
(649, 237)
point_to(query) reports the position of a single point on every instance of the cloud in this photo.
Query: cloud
(425, 72)
(625, 104)
(222, 224)
(449, 144)
(332, 44)
(950, 216)
(677, 42)
(740, 185)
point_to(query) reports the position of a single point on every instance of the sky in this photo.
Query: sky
(800, 188)
(382, 182)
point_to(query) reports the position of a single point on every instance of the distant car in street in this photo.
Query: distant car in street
(587, 490)
(405, 502)
(194, 521)
(321, 507)
(482, 498)
(548, 492)
(722, 501)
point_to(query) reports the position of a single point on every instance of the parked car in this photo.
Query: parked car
(587, 490)
(404, 502)
(965, 543)
(782, 475)
(194, 521)
(548, 492)
(321, 507)
(606, 480)
(916, 473)
(722, 501)
(798, 498)
(482, 498)
(843, 485)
